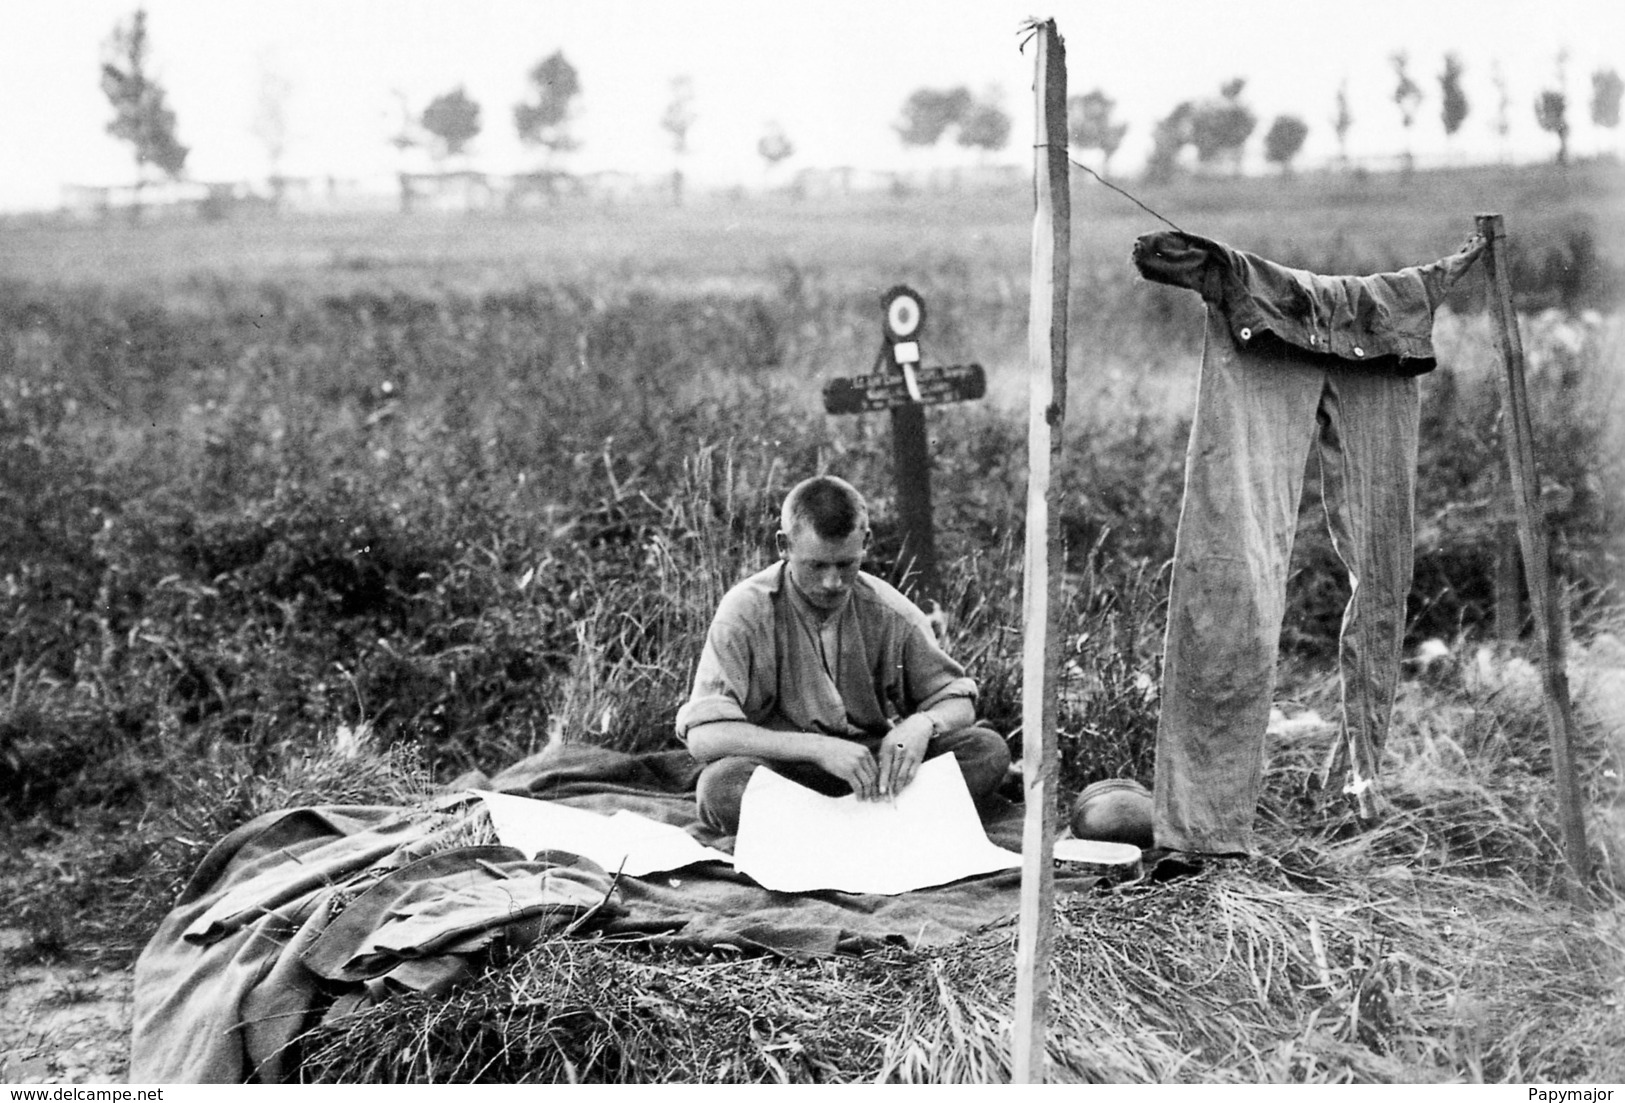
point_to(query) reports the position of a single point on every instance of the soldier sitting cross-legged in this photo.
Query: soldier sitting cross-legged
(827, 675)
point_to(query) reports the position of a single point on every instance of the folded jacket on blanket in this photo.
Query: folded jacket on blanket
(1292, 361)
(236, 970)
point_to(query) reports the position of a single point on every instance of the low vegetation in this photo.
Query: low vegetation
(285, 531)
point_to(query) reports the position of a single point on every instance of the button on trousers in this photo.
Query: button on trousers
(1257, 415)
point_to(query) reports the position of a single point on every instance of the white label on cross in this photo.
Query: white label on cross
(912, 383)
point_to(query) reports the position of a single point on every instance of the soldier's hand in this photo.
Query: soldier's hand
(901, 753)
(852, 763)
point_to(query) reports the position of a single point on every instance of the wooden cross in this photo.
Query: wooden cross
(897, 382)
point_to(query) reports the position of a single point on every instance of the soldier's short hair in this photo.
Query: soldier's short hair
(832, 506)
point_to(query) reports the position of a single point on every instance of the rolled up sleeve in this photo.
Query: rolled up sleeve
(931, 674)
(722, 678)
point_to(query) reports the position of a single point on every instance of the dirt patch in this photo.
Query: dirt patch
(61, 1023)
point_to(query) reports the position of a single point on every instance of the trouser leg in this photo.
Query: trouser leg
(983, 756)
(1243, 479)
(1367, 451)
(720, 788)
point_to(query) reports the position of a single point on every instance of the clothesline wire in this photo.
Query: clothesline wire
(1120, 191)
(1029, 30)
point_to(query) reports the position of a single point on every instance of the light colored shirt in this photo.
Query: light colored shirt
(770, 661)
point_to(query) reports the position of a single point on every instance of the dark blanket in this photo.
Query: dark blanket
(306, 912)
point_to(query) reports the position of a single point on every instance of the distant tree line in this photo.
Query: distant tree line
(1215, 129)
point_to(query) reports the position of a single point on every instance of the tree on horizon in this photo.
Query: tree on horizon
(544, 121)
(1501, 124)
(1283, 141)
(929, 112)
(1342, 122)
(773, 147)
(1606, 88)
(452, 120)
(1453, 101)
(1552, 107)
(270, 125)
(1089, 125)
(678, 118)
(1169, 138)
(1219, 128)
(984, 126)
(141, 112)
(1408, 98)
(1551, 112)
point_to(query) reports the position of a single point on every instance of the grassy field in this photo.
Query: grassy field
(331, 508)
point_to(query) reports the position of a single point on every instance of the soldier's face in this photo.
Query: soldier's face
(821, 569)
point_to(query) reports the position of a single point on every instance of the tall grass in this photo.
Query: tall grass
(246, 513)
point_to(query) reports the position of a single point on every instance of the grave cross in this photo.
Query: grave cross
(899, 383)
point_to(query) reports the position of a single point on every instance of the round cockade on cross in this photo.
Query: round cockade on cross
(905, 314)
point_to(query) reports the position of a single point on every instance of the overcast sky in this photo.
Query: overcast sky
(832, 73)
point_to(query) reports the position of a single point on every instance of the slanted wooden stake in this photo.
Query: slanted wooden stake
(1040, 665)
(1518, 434)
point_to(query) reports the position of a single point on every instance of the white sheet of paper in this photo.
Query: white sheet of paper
(633, 844)
(792, 839)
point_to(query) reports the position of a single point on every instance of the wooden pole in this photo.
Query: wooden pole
(1518, 435)
(1046, 373)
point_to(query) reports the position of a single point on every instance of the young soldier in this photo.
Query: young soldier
(827, 675)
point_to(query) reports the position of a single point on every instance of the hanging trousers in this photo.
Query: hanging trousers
(1256, 419)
